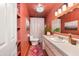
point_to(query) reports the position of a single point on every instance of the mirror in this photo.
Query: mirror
(27, 24)
(56, 25)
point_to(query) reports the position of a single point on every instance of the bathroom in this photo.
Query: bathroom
(39, 29)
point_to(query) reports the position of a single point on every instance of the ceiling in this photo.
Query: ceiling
(48, 8)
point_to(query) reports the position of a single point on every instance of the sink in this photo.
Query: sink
(58, 40)
(51, 36)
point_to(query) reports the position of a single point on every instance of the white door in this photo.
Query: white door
(37, 27)
(8, 29)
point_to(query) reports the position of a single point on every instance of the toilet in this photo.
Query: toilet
(34, 41)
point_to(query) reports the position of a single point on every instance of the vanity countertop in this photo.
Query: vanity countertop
(67, 48)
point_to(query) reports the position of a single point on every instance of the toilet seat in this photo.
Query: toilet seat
(33, 40)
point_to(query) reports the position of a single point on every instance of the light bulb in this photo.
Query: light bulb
(70, 4)
(56, 13)
(64, 7)
(59, 11)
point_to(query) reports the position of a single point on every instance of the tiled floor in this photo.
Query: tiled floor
(36, 51)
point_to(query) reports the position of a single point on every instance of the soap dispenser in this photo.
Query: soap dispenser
(70, 38)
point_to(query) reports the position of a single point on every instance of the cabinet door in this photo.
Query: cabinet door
(8, 29)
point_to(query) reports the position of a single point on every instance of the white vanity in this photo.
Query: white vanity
(59, 48)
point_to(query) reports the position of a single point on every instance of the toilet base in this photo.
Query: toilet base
(34, 42)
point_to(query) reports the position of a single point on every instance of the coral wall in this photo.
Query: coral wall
(49, 19)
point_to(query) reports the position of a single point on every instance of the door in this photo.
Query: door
(8, 29)
(37, 27)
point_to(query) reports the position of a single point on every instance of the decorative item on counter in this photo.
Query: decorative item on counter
(56, 30)
(77, 43)
(47, 30)
(48, 33)
(71, 40)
